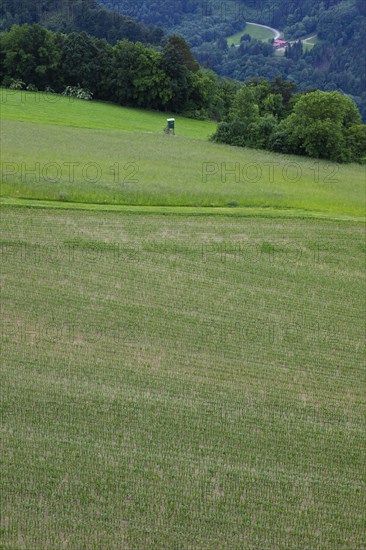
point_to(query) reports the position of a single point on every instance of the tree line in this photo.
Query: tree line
(166, 78)
(317, 124)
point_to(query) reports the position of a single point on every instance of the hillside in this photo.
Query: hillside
(339, 28)
(137, 164)
(333, 64)
(76, 16)
(175, 376)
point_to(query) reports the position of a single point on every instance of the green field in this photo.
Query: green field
(63, 159)
(255, 31)
(176, 376)
(56, 110)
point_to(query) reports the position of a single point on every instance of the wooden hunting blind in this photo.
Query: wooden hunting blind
(170, 126)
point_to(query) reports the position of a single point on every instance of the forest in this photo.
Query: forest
(75, 16)
(336, 62)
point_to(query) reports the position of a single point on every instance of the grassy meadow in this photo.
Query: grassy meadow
(63, 162)
(183, 347)
(56, 110)
(255, 31)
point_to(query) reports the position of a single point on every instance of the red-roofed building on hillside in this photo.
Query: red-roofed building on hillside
(278, 43)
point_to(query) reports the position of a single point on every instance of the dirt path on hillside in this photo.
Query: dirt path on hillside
(306, 40)
(276, 32)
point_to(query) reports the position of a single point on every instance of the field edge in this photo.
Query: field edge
(245, 212)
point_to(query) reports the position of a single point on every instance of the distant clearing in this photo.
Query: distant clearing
(254, 30)
(309, 43)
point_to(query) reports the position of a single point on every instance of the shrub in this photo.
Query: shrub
(17, 84)
(232, 133)
(78, 92)
(356, 142)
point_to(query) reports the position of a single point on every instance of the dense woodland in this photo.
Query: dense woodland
(75, 16)
(337, 61)
(128, 73)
